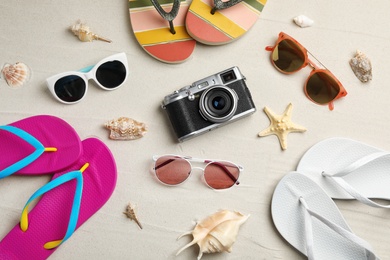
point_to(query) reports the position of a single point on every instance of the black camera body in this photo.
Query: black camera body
(209, 103)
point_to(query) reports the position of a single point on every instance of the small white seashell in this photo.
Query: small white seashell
(303, 21)
(361, 66)
(125, 128)
(16, 75)
(216, 233)
(83, 32)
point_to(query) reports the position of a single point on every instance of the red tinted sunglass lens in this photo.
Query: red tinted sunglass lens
(322, 88)
(288, 56)
(221, 175)
(172, 170)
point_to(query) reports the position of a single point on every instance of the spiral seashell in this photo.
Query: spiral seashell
(130, 213)
(216, 233)
(303, 21)
(83, 32)
(16, 74)
(125, 128)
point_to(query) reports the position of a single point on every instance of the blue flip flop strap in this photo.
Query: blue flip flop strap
(74, 214)
(39, 149)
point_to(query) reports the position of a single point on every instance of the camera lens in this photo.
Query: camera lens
(218, 104)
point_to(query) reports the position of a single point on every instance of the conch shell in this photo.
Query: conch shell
(125, 128)
(216, 233)
(83, 32)
(16, 74)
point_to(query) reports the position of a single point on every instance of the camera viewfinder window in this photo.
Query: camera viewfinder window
(228, 76)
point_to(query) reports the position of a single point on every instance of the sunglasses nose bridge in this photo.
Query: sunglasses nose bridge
(89, 75)
(198, 168)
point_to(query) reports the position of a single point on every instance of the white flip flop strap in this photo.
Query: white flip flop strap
(361, 162)
(352, 167)
(354, 193)
(338, 229)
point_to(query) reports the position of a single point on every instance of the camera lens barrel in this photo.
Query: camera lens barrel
(218, 104)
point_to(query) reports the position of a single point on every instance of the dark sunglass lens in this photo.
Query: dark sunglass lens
(70, 88)
(172, 170)
(111, 74)
(221, 175)
(288, 56)
(322, 88)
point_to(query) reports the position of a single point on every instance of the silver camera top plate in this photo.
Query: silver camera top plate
(221, 78)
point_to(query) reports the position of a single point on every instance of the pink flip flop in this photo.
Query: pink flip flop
(37, 145)
(68, 200)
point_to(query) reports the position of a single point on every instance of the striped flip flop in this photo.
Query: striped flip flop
(215, 22)
(160, 31)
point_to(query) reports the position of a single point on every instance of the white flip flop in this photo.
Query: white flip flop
(311, 222)
(348, 169)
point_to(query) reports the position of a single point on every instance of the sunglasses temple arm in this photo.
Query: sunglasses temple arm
(269, 48)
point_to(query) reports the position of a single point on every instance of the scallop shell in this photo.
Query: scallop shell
(216, 233)
(16, 75)
(125, 128)
(83, 32)
(303, 21)
(361, 66)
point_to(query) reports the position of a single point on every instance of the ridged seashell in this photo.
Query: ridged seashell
(361, 66)
(130, 213)
(125, 128)
(16, 74)
(303, 21)
(216, 233)
(83, 32)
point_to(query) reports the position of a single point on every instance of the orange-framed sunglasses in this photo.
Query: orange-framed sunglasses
(289, 56)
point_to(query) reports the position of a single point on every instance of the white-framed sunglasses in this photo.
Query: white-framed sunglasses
(173, 170)
(71, 87)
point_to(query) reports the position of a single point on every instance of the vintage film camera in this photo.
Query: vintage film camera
(209, 103)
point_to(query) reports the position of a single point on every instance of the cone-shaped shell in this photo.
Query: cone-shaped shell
(84, 33)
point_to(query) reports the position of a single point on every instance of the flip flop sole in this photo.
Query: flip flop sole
(152, 31)
(225, 25)
(51, 132)
(48, 220)
(334, 155)
(288, 217)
